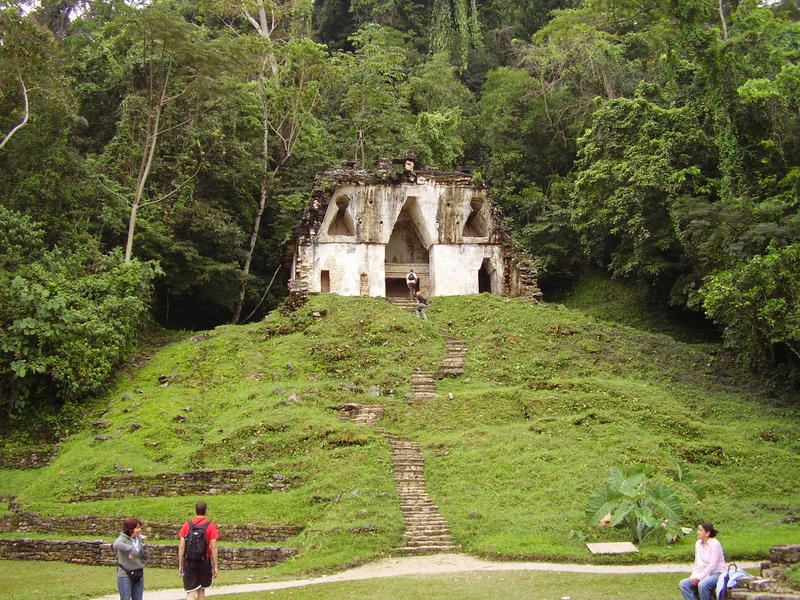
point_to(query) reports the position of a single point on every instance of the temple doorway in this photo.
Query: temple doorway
(485, 274)
(406, 251)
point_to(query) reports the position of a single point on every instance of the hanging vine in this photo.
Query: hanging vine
(455, 29)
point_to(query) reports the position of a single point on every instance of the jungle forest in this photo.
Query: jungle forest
(156, 155)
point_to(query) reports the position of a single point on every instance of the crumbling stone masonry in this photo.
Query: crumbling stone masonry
(211, 482)
(164, 556)
(30, 522)
(363, 230)
(27, 459)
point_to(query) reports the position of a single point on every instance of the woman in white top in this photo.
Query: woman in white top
(709, 563)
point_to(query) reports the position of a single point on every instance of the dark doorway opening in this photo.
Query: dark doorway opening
(325, 282)
(396, 288)
(484, 278)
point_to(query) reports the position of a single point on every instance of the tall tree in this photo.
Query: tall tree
(286, 76)
(374, 98)
(171, 65)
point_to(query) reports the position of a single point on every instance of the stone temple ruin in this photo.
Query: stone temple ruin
(363, 230)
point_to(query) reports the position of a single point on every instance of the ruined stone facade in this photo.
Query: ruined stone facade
(364, 230)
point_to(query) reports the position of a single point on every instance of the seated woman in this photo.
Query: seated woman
(709, 563)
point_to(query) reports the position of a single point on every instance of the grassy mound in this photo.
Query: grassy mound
(550, 399)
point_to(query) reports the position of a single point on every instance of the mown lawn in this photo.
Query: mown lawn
(26, 581)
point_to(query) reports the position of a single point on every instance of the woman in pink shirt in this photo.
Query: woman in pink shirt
(709, 563)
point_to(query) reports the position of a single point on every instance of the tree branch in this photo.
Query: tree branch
(174, 191)
(24, 121)
(264, 295)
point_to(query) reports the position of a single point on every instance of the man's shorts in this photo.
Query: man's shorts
(197, 575)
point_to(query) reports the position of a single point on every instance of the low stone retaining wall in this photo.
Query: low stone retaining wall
(208, 483)
(109, 526)
(101, 553)
(780, 558)
(27, 459)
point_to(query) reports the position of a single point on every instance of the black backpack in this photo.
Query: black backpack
(412, 277)
(196, 543)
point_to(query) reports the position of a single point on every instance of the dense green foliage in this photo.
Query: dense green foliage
(658, 141)
(68, 316)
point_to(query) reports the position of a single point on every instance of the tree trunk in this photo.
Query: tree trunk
(151, 141)
(263, 28)
(723, 20)
(26, 109)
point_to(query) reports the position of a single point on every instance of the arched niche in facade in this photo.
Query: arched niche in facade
(406, 249)
(342, 222)
(406, 243)
(475, 226)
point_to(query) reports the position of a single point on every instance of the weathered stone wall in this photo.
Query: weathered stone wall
(165, 556)
(27, 459)
(108, 526)
(780, 558)
(222, 481)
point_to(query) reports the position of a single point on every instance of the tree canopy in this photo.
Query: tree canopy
(154, 157)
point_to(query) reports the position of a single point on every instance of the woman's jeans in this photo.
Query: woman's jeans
(707, 588)
(129, 590)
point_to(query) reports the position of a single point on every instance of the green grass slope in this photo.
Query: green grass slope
(551, 398)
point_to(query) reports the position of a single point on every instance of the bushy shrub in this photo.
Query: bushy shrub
(68, 317)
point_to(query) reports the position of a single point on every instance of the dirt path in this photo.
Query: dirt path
(423, 565)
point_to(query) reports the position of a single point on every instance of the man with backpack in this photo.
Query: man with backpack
(411, 282)
(197, 554)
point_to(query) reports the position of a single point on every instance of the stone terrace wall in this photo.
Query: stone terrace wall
(101, 553)
(221, 481)
(109, 526)
(27, 459)
(780, 558)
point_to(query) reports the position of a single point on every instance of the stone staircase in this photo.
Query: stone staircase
(426, 530)
(423, 384)
(768, 586)
(362, 414)
(453, 363)
(403, 302)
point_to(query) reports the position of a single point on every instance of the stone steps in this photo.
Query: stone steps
(428, 549)
(768, 587)
(403, 302)
(453, 362)
(426, 530)
(423, 385)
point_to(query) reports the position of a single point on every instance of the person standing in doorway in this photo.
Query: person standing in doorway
(198, 554)
(411, 282)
